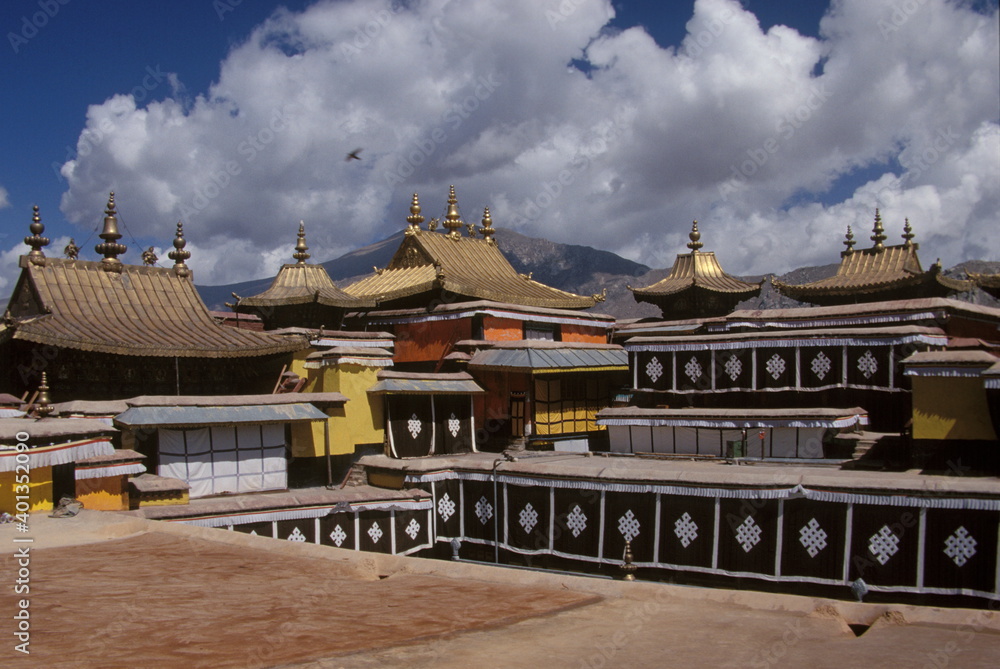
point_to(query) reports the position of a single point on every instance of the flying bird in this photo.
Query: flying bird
(353, 155)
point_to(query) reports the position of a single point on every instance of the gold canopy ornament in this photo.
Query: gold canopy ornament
(36, 241)
(110, 248)
(695, 238)
(71, 250)
(301, 249)
(179, 254)
(848, 242)
(414, 219)
(908, 234)
(453, 220)
(487, 231)
(878, 233)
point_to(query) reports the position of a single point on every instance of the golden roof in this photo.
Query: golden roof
(877, 270)
(696, 269)
(110, 307)
(466, 266)
(302, 283)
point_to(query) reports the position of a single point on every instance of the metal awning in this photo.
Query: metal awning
(192, 416)
(425, 384)
(551, 359)
(732, 418)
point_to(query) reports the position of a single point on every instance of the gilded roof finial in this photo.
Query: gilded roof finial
(300, 246)
(110, 248)
(878, 231)
(695, 236)
(849, 242)
(453, 220)
(71, 250)
(487, 230)
(149, 257)
(43, 407)
(414, 219)
(908, 234)
(179, 254)
(36, 241)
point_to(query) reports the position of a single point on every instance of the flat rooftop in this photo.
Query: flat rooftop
(113, 590)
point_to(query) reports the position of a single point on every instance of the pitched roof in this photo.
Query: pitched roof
(698, 269)
(878, 270)
(551, 356)
(470, 267)
(139, 310)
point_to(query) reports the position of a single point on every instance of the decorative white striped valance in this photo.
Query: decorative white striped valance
(734, 424)
(57, 454)
(740, 344)
(266, 516)
(123, 469)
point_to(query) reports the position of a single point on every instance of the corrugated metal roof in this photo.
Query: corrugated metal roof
(458, 383)
(185, 416)
(144, 311)
(698, 269)
(551, 358)
(234, 400)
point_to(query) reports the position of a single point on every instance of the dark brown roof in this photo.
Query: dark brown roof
(300, 283)
(474, 268)
(233, 400)
(141, 310)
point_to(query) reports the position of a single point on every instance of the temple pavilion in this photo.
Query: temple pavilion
(877, 274)
(301, 295)
(696, 287)
(108, 330)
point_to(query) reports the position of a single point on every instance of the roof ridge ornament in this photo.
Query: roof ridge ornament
(695, 238)
(300, 246)
(35, 240)
(487, 231)
(414, 219)
(110, 248)
(849, 242)
(908, 234)
(179, 254)
(71, 250)
(453, 220)
(878, 233)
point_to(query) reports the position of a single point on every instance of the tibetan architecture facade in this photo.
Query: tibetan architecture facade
(880, 273)
(301, 295)
(108, 330)
(696, 287)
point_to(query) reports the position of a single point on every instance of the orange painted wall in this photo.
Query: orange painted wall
(502, 329)
(429, 341)
(583, 333)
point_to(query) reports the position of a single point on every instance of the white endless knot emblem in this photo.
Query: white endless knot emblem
(296, 535)
(686, 529)
(338, 535)
(375, 532)
(867, 364)
(821, 365)
(413, 529)
(528, 517)
(775, 366)
(960, 546)
(454, 425)
(654, 369)
(446, 507)
(748, 534)
(883, 544)
(734, 367)
(628, 525)
(576, 521)
(484, 510)
(693, 369)
(812, 537)
(413, 425)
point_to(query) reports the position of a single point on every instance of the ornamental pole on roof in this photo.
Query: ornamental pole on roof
(36, 241)
(908, 234)
(179, 255)
(453, 220)
(695, 238)
(414, 219)
(110, 248)
(878, 231)
(487, 230)
(849, 242)
(71, 250)
(43, 406)
(300, 246)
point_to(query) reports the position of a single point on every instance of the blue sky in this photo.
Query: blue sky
(775, 124)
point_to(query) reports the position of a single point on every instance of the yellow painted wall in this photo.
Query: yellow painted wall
(950, 408)
(108, 493)
(360, 421)
(39, 490)
(297, 365)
